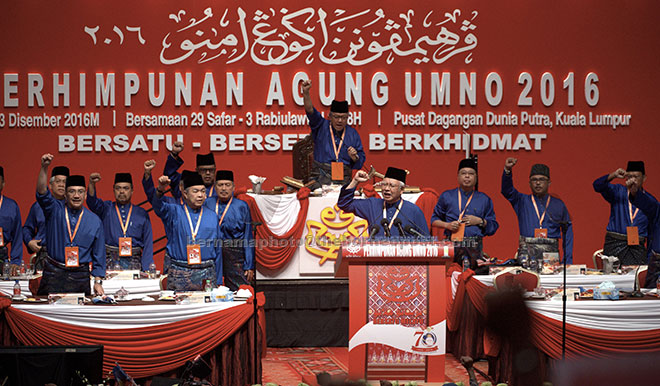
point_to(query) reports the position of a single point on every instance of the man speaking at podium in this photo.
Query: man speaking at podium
(390, 216)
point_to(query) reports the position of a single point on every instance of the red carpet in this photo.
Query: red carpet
(290, 366)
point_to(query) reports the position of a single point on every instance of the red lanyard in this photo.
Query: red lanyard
(537, 210)
(630, 211)
(124, 227)
(217, 202)
(68, 224)
(194, 231)
(460, 216)
(398, 209)
(334, 146)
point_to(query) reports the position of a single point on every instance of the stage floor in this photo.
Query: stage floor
(290, 366)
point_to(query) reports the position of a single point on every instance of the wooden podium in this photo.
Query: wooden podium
(397, 296)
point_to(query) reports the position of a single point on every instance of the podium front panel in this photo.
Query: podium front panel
(387, 296)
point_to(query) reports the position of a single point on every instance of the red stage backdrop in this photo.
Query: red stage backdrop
(107, 85)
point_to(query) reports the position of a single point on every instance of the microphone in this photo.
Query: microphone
(399, 226)
(412, 231)
(373, 230)
(636, 292)
(386, 227)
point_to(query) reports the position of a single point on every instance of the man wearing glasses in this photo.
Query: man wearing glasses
(466, 215)
(627, 229)
(542, 219)
(205, 167)
(390, 216)
(651, 208)
(337, 146)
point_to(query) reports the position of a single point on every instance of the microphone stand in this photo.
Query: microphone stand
(563, 225)
(386, 228)
(254, 303)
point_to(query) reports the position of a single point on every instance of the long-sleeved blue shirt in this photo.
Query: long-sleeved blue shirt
(12, 232)
(651, 208)
(236, 225)
(556, 215)
(34, 227)
(139, 226)
(89, 239)
(179, 233)
(617, 196)
(171, 168)
(371, 209)
(481, 205)
(324, 152)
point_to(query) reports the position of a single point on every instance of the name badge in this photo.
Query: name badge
(337, 171)
(71, 257)
(459, 234)
(633, 235)
(541, 233)
(194, 254)
(125, 246)
(2, 238)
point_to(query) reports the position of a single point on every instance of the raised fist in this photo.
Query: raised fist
(510, 163)
(163, 183)
(149, 165)
(46, 159)
(306, 85)
(177, 148)
(361, 176)
(94, 178)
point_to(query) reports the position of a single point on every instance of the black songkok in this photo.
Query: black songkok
(193, 179)
(187, 173)
(205, 160)
(540, 170)
(468, 163)
(339, 107)
(636, 166)
(396, 174)
(123, 177)
(224, 175)
(75, 180)
(60, 171)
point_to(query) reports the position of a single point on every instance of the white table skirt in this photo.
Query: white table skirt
(122, 316)
(137, 288)
(619, 315)
(622, 282)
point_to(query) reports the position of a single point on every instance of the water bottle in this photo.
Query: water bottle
(152, 271)
(657, 285)
(208, 287)
(17, 288)
(523, 259)
(23, 269)
(6, 270)
(466, 263)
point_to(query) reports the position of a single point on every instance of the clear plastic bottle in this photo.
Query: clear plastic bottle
(17, 288)
(657, 285)
(152, 271)
(466, 263)
(23, 269)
